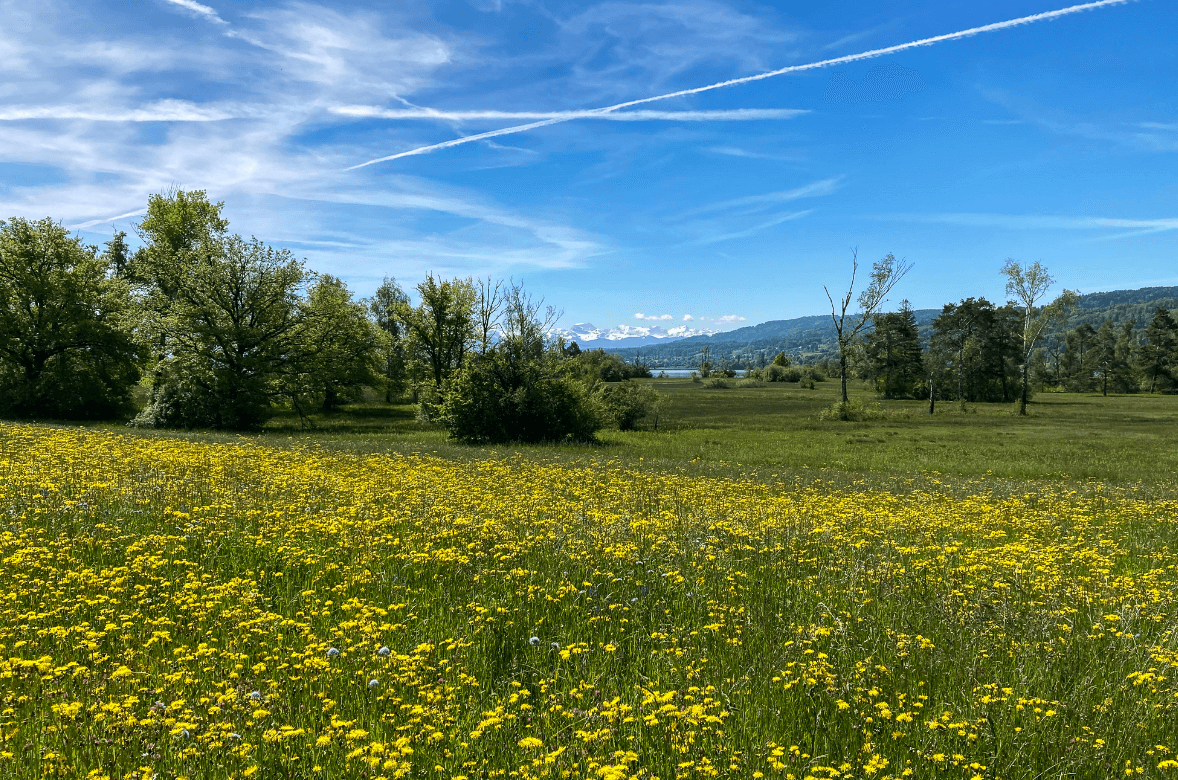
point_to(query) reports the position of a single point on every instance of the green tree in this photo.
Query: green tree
(1159, 351)
(1028, 284)
(522, 388)
(234, 327)
(1079, 363)
(885, 274)
(337, 347)
(178, 229)
(893, 353)
(389, 307)
(66, 350)
(442, 327)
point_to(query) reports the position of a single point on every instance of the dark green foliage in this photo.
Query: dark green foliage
(521, 389)
(336, 355)
(1159, 351)
(597, 364)
(496, 400)
(627, 403)
(232, 331)
(893, 353)
(389, 307)
(976, 348)
(442, 327)
(66, 349)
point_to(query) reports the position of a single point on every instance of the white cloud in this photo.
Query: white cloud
(866, 55)
(641, 316)
(730, 318)
(812, 190)
(1036, 221)
(198, 9)
(688, 318)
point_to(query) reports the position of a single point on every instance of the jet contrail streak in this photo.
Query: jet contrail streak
(866, 55)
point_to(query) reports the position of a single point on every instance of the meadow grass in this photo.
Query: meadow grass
(213, 607)
(829, 599)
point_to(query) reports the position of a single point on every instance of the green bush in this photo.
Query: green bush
(626, 403)
(495, 400)
(852, 411)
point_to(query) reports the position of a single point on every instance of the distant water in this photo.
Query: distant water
(674, 373)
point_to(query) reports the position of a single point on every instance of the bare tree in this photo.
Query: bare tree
(885, 274)
(486, 312)
(1029, 284)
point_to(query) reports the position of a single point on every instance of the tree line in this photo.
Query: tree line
(977, 352)
(223, 331)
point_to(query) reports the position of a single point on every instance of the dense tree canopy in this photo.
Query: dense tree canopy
(67, 347)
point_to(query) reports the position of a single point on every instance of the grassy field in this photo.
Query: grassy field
(748, 592)
(773, 429)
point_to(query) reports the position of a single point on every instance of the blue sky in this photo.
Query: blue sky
(1055, 140)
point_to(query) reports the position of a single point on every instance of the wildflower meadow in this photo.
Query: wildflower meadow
(172, 608)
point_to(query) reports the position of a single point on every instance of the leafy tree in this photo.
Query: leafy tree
(65, 346)
(442, 327)
(233, 336)
(1028, 284)
(337, 347)
(178, 229)
(521, 389)
(893, 353)
(885, 274)
(389, 307)
(1159, 352)
(780, 359)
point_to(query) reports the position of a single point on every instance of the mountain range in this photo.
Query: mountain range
(814, 335)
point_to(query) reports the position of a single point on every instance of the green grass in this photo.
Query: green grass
(773, 432)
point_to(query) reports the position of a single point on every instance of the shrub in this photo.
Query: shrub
(495, 400)
(852, 411)
(626, 403)
(718, 383)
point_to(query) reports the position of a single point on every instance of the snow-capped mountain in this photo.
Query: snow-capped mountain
(589, 336)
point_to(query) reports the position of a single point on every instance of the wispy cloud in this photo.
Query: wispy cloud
(198, 9)
(641, 316)
(93, 222)
(1034, 221)
(871, 54)
(811, 190)
(731, 115)
(735, 151)
(777, 219)
(730, 318)
(159, 111)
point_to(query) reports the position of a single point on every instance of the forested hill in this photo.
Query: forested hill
(814, 335)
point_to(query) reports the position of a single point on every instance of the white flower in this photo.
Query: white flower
(535, 641)
(373, 683)
(555, 645)
(255, 696)
(383, 651)
(332, 652)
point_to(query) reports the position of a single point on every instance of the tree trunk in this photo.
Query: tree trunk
(932, 394)
(1022, 404)
(843, 372)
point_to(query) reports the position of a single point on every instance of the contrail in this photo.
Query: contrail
(866, 55)
(727, 115)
